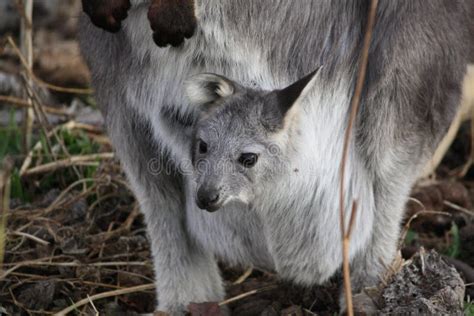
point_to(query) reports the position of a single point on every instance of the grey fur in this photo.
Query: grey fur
(290, 223)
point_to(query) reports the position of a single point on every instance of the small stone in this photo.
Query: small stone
(292, 311)
(428, 285)
(38, 296)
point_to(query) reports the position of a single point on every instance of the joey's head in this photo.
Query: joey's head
(241, 137)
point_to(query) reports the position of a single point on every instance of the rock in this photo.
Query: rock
(49, 197)
(427, 285)
(38, 296)
(272, 310)
(113, 309)
(60, 63)
(77, 211)
(73, 245)
(86, 114)
(292, 311)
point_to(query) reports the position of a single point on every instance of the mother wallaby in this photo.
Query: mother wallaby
(287, 221)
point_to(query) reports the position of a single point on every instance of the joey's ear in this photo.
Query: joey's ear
(205, 89)
(279, 102)
(290, 95)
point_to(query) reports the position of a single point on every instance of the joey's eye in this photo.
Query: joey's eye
(248, 160)
(202, 147)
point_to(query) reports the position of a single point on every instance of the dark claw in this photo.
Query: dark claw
(172, 21)
(190, 32)
(107, 14)
(177, 41)
(160, 41)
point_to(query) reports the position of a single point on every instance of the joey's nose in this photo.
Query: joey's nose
(208, 199)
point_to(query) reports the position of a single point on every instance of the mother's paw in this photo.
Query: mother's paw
(107, 14)
(172, 21)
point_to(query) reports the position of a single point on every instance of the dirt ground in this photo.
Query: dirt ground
(74, 237)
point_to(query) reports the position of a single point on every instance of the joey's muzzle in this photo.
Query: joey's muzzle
(209, 199)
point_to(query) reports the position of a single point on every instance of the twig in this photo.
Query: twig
(107, 234)
(78, 264)
(20, 7)
(355, 102)
(352, 220)
(71, 125)
(58, 201)
(99, 296)
(458, 208)
(34, 101)
(100, 200)
(29, 236)
(244, 276)
(26, 35)
(16, 266)
(36, 107)
(346, 239)
(68, 162)
(93, 306)
(25, 104)
(247, 294)
(44, 123)
(4, 203)
(131, 218)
